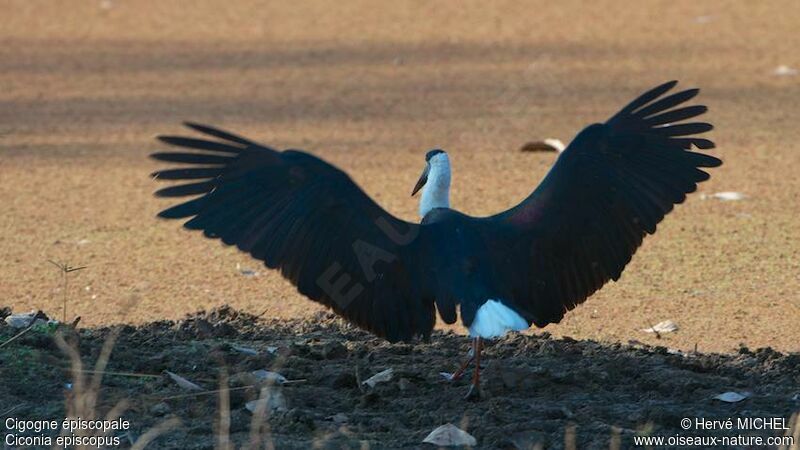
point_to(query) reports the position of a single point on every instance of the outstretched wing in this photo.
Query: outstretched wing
(299, 214)
(612, 185)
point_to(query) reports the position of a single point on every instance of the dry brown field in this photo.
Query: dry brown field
(85, 87)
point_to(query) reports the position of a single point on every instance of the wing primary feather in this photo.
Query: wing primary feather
(192, 158)
(676, 115)
(228, 221)
(646, 98)
(188, 173)
(300, 215)
(183, 210)
(683, 129)
(199, 144)
(185, 189)
(666, 103)
(216, 132)
(257, 227)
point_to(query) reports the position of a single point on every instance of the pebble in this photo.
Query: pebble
(160, 409)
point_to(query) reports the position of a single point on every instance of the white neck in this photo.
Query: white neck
(436, 192)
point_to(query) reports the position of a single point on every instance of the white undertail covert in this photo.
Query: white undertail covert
(495, 319)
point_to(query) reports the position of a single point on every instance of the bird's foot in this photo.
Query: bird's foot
(453, 377)
(474, 393)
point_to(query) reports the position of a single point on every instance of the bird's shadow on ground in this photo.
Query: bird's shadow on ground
(536, 388)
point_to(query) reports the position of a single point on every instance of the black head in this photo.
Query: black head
(432, 153)
(424, 177)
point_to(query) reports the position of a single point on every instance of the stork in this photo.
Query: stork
(525, 266)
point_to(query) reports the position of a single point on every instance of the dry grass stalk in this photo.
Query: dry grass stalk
(82, 400)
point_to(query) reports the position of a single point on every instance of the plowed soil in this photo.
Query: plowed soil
(537, 390)
(85, 86)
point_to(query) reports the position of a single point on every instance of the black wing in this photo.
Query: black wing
(613, 184)
(307, 218)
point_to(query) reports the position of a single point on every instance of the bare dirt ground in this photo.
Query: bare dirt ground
(85, 86)
(539, 392)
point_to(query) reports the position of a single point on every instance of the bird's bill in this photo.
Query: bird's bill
(422, 180)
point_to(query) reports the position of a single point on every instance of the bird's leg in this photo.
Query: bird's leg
(460, 372)
(475, 388)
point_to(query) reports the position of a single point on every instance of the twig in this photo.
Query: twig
(65, 269)
(213, 391)
(216, 391)
(28, 328)
(122, 374)
(10, 410)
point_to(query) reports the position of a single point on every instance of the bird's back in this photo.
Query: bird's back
(469, 257)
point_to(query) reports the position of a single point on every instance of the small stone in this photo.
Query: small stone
(732, 397)
(24, 320)
(784, 71)
(726, 196)
(246, 271)
(183, 382)
(271, 400)
(449, 435)
(529, 439)
(160, 409)
(245, 350)
(380, 377)
(666, 326)
(546, 145)
(268, 377)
